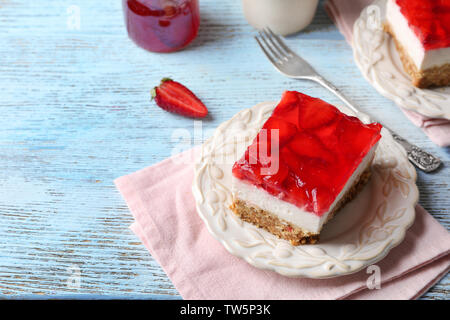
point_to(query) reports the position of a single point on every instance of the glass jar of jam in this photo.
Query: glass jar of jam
(162, 25)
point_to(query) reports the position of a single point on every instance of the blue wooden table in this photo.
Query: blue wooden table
(76, 114)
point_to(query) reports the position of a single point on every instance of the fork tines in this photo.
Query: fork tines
(273, 46)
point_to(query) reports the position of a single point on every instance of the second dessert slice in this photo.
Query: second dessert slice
(421, 31)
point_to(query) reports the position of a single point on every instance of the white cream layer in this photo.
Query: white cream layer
(284, 210)
(411, 43)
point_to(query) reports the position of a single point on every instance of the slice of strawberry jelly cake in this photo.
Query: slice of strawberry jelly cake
(421, 32)
(308, 160)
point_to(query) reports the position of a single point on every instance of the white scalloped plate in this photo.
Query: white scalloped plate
(375, 54)
(361, 234)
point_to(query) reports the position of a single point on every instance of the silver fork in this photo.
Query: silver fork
(291, 65)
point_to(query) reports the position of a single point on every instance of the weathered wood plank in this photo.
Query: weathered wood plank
(76, 114)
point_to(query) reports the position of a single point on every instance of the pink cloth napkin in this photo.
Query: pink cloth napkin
(200, 267)
(344, 13)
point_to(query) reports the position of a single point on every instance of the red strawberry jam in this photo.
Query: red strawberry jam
(430, 21)
(162, 25)
(318, 149)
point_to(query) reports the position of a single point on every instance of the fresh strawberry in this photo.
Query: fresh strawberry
(174, 97)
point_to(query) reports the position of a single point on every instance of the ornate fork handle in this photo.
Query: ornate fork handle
(420, 158)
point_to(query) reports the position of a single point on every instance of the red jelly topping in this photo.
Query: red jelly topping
(318, 149)
(430, 21)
